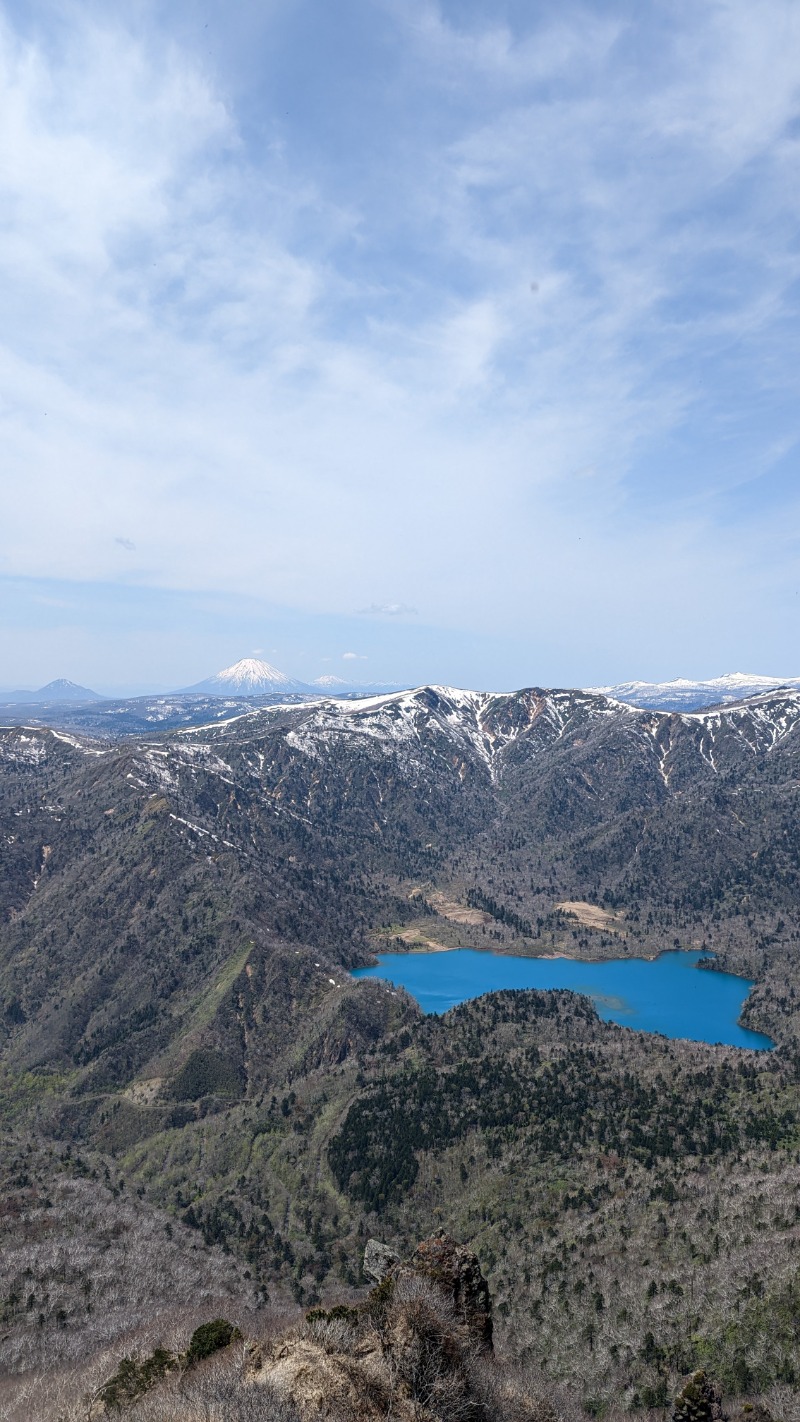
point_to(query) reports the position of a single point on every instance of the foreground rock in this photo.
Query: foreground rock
(456, 1271)
(379, 1260)
(700, 1400)
(418, 1350)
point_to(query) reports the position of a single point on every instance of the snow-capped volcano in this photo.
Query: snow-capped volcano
(249, 677)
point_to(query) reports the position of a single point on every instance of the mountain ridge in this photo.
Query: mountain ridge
(684, 694)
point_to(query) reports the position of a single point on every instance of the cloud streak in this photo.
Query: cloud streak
(387, 609)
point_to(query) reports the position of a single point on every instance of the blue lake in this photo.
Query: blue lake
(669, 994)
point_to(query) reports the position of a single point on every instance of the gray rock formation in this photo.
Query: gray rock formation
(379, 1260)
(699, 1400)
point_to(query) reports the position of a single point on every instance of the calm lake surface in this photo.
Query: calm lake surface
(670, 994)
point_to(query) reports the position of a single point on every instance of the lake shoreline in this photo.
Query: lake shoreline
(649, 994)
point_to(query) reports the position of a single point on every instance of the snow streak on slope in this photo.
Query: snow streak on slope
(31, 744)
(760, 723)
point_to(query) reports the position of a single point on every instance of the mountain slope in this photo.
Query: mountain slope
(178, 917)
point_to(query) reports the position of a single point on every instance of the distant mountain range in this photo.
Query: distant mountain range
(235, 691)
(684, 695)
(251, 678)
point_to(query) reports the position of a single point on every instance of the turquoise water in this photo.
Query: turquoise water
(669, 994)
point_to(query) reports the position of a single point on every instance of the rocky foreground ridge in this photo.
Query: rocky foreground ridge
(418, 1349)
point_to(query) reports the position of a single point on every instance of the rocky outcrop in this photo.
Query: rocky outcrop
(419, 1349)
(379, 1260)
(456, 1271)
(699, 1400)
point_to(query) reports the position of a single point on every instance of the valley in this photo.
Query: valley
(181, 914)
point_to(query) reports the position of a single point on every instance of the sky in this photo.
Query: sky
(399, 340)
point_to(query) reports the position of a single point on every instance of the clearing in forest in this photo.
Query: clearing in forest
(591, 915)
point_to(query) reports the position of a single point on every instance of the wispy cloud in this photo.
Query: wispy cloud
(387, 609)
(486, 49)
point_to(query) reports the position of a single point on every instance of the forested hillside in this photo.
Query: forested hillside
(179, 915)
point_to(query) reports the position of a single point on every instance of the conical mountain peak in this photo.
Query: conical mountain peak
(248, 677)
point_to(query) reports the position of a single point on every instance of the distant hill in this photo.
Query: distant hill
(138, 715)
(686, 695)
(60, 690)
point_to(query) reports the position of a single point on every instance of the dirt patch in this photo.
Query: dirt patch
(456, 912)
(144, 1093)
(421, 943)
(591, 915)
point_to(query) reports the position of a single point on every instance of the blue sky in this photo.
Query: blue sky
(461, 338)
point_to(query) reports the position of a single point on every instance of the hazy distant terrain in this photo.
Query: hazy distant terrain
(235, 691)
(685, 695)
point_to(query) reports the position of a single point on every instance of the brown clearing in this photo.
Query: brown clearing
(591, 916)
(456, 912)
(419, 943)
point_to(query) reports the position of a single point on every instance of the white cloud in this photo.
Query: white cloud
(208, 348)
(354, 657)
